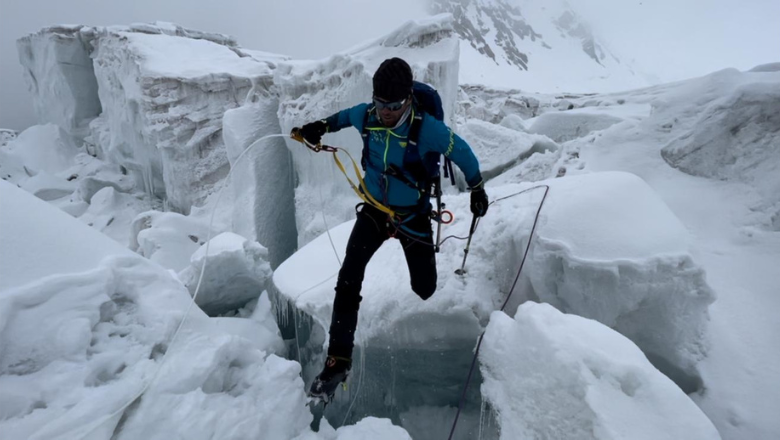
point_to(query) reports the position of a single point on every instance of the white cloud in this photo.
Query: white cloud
(681, 39)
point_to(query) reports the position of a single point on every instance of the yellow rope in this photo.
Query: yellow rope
(365, 195)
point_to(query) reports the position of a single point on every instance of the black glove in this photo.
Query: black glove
(313, 131)
(479, 201)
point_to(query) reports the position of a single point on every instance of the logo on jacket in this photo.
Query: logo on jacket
(377, 136)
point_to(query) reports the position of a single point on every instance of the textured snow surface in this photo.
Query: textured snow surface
(551, 375)
(84, 331)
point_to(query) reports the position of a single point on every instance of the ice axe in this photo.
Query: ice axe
(462, 270)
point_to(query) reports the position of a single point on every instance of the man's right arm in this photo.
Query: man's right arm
(351, 117)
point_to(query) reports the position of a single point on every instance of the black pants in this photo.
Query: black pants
(371, 229)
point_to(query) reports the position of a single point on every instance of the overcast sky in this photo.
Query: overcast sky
(672, 39)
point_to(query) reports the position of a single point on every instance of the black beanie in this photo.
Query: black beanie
(393, 80)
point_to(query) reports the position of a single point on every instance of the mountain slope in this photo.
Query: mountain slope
(533, 46)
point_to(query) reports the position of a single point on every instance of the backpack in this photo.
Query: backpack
(424, 170)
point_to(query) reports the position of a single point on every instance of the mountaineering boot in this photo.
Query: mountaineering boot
(335, 372)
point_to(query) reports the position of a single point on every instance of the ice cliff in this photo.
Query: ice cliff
(148, 97)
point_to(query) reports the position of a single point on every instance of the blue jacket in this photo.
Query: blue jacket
(386, 147)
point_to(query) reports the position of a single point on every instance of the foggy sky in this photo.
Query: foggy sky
(672, 39)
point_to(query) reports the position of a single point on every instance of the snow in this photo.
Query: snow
(167, 238)
(730, 136)
(86, 323)
(23, 214)
(565, 126)
(551, 375)
(236, 272)
(501, 148)
(552, 52)
(660, 201)
(34, 148)
(6, 136)
(732, 237)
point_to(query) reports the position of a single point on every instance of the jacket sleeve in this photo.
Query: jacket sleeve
(351, 117)
(436, 136)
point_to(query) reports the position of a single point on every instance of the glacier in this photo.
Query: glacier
(169, 112)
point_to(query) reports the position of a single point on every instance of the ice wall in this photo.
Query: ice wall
(59, 74)
(164, 98)
(493, 105)
(727, 127)
(314, 90)
(262, 180)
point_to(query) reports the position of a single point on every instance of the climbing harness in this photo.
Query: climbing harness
(441, 215)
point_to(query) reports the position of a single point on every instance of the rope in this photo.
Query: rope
(365, 195)
(517, 277)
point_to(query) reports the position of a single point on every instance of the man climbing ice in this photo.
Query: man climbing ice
(403, 143)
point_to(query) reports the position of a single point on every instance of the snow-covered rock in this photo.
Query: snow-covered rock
(313, 90)
(59, 74)
(551, 375)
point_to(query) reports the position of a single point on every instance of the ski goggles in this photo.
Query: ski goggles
(392, 106)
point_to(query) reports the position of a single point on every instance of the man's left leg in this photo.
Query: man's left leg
(420, 255)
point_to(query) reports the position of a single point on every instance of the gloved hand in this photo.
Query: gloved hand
(313, 131)
(479, 201)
